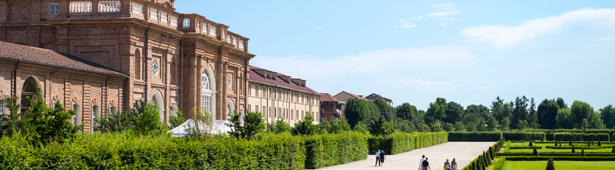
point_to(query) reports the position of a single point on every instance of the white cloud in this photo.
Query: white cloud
(403, 24)
(502, 35)
(443, 16)
(605, 39)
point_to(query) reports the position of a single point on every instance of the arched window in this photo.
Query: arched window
(29, 90)
(138, 64)
(207, 97)
(159, 101)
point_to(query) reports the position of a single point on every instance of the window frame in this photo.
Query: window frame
(52, 9)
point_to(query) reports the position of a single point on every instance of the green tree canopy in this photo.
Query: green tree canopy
(607, 114)
(436, 111)
(547, 113)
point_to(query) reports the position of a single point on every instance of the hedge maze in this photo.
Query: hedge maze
(567, 149)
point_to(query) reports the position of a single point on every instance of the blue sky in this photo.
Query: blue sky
(415, 51)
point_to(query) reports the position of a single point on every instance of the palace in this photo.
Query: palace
(96, 56)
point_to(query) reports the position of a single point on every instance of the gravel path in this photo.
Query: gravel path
(463, 152)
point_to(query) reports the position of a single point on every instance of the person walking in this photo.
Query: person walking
(425, 164)
(447, 165)
(377, 157)
(382, 156)
(454, 164)
(421, 163)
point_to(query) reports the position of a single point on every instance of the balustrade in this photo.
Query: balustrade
(109, 6)
(80, 6)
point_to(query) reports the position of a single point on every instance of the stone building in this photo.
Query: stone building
(278, 96)
(178, 61)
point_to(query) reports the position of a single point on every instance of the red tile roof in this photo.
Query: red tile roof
(377, 96)
(327, 97)
(254, 76)
(353, 95)
(40, 56)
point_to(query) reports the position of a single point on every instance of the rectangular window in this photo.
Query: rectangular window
(163, 17)
(109, 6)
(54, 9)
(80, 6)
(212, 30)
(2, 106)
(95, 113)
(77, 116)
(186, 22)
(137, 8)
(256, 108)
(241, 44)
(153, 13)
(249, 108)
(113, 110)
(204, 28)
(174, 21)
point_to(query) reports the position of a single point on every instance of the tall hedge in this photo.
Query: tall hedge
(332, 149)
(565, 136)
(399, 142)
(474, 136)
(124, 151)
(523, 136)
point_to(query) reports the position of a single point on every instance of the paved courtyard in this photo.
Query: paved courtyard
(464, 152)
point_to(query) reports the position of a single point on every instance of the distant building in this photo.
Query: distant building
(278, 96)
(343, 96)
(330, 107)
(375, 96)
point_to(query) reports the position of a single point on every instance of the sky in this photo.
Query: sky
(468, 52)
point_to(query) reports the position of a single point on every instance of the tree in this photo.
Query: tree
(203, 124)
(449, 127)
(492, 124)
(9, 122)
(561, 103)
(579, 111)
(547, 114)
(278, 126)
(520, 112)
(142, 119)
(305, 127)
(436, 126)
(550, 165)
(338, 126)
(522, 124)
(500, 109)
(607, 114)
(563, 119)
(533, 117)
(459, 126)
(385, 109)
(409, 112)
(253, 124)
(453, 112)
(361, 127)
(436, 111)
(361, 110)
(505, 123)
(381, 128)
(177, 119)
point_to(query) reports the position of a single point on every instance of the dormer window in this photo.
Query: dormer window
(174, 21)
(186, 22)
(153, 14)
(163, 17)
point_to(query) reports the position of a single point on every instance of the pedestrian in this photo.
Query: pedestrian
(447, 165)
(454, 164)
(382, 156)
(377, 157)
(421, 163)
(425, 164)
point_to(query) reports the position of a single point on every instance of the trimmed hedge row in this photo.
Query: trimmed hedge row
(484, 160)
(557, 154)
(399, 142)
(565, 136)
(523, 136)
(561, 158)
(525, 147)
(332, 149)
(124, 151)
(474, 136)
(551, 132)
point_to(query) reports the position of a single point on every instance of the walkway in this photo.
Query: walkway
(464, 152)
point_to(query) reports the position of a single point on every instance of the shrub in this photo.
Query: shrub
(474, 136)
(550, 165)
(306, 127)
(127, 151)
(535, 152)
(177, 119)
(523, 136)
(572, 148)
(142, 119)
(278, 126)
(399, 142)
(332, 149)
(530, 143)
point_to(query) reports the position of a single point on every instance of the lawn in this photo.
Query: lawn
(544, 149)
(559, 165)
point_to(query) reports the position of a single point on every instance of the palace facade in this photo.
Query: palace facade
(97, 56)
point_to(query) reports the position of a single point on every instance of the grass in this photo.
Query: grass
(559, 165)
(544, 149)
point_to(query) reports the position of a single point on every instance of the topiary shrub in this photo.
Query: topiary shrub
(613, 151)
(572, 148)
(582, 152)
(535, 152)
(550, 165)
(531, 143)
(599, 144)
(570, 144)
